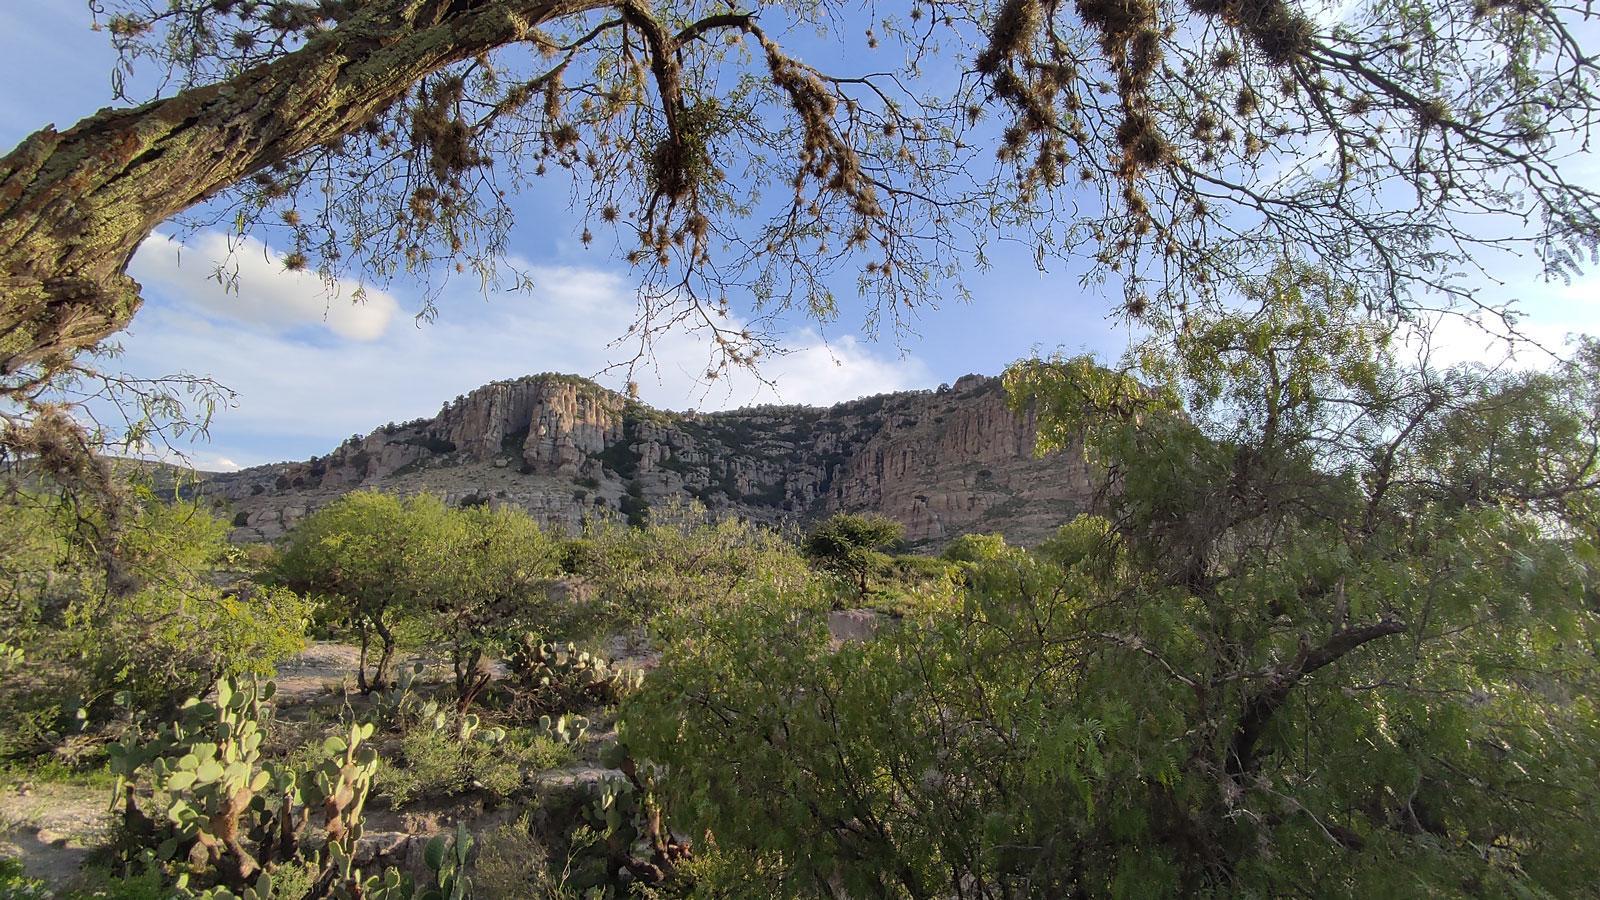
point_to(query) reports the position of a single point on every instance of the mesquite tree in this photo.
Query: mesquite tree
(1333, 636)
(852, 545)
(1180, 145)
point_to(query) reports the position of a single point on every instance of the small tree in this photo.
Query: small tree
(162, 628)
(475, 573)
(375, 558)
(851, 545)
(483, 598)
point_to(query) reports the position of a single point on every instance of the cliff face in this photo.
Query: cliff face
(944, 462)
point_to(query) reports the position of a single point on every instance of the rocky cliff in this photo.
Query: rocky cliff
(944, 462)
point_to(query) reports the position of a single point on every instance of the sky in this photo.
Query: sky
(308, 369)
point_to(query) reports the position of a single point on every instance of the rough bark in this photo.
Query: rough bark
(473, 677)
(1264, 703)
(75, 204)
(380, 678)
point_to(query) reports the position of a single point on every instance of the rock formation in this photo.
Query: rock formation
(943, 462)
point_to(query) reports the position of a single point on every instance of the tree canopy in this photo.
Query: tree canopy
(471, 579)
(376, 558)
(852, 544)
(1334, 635)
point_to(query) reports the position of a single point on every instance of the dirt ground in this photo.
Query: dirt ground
(52, 828)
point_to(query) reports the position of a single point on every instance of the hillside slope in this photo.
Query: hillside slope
(943, 462)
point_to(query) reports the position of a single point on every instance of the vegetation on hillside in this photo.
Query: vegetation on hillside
(1332, 633)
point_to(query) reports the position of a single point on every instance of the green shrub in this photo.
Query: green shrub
(1333, 637)
(33, 722)
(370, 556)
(435, 762)
(154, 626)
(161, 645)
(920, 568)
(465, 579)
(100, 884)
(514, 864)
(675, 563)
(715, 873)
(975, 548)
(851, 545)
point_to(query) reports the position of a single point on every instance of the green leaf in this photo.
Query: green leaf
(434, 853)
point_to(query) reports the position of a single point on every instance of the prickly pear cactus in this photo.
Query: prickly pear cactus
(390, 703)
(208, 764)
(446, 857)
(626, 814)
(555, 677)
(566, 728)
(339, 782)
(221, 804)
(348, 882)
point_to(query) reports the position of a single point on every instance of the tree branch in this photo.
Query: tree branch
(1281, 680)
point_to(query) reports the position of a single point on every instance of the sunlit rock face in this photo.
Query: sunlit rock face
(945, 462)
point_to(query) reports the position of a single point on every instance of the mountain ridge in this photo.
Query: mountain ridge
(944, 462)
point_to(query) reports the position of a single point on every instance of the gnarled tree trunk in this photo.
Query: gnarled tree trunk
(75, 204)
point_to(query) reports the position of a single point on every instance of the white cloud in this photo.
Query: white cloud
(203, 460)
(818, 374)
(1548, 315)
(298, 397)
(253, 286)
(214, 462)
(177, 454)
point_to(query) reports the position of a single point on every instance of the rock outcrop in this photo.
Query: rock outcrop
(943, 462)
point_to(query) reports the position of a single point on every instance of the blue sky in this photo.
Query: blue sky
(309, 370)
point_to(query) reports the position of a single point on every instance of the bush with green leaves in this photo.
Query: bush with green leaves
(175, 632)
(1334, 637)
(677, 562)
(162, 645)
(493, 585)
(852, 545)
(16, 885)
(433, 760)
(159, 631)
(513, 861)
(975, 548)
